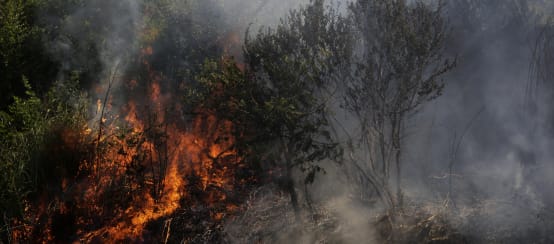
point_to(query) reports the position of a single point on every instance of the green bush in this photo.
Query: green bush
(26, 128)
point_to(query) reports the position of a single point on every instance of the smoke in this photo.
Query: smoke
(481, 129)
(102, 41)
(95, 35)
(483, 148)
(95, 42)
(480, 147)
(483, 126)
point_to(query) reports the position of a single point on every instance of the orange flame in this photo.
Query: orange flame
(145, 167)
(192, 151)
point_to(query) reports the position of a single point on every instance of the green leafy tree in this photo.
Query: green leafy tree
(21, 50)
(297, 63)
(279, 102)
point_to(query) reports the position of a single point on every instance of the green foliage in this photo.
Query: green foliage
(25, 130)
(21, 50)
(297, 62)
(22, 130)
(187, 33)
(304, 53)
(14, 29)
(278, 102)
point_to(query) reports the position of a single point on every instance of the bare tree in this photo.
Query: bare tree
(398, 68)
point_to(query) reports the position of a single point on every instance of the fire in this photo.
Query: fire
(132, 119)
(148, 162)
(191, 153)
(167, 152)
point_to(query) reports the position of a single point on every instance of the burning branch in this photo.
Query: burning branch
(101, 120)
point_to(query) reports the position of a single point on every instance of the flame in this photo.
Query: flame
(190, 151)
(98, 106)
(145, 167)
(136, 217)
(132, 119)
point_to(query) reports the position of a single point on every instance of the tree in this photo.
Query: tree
(21, 52)
(398, 68)
(297, 63)
(278, 103)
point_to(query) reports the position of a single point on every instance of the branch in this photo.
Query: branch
(101, 123)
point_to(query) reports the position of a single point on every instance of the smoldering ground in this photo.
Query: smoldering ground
(484, 144)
